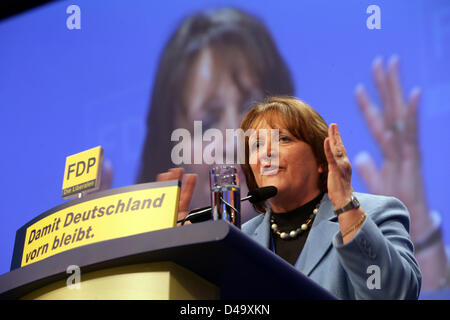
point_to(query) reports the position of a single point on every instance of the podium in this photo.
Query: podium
(208, 260)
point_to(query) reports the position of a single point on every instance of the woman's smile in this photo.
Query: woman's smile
(270, 171)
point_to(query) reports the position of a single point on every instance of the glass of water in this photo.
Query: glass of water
(225, 194)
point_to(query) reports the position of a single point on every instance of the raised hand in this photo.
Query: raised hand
(395, 128)
(396, 132)
(339, 169)
(339, 184)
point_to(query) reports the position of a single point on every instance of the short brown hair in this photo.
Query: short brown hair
(302, 121)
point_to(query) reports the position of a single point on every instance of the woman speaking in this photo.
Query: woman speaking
(355, 245)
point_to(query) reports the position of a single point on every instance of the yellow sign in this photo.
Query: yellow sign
(82, 172)
(152, 207)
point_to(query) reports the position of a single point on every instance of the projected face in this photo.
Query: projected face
(218, 92)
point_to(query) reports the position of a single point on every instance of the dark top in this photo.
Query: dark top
(290, 249)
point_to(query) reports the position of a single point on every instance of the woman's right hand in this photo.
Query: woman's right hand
(188, 182)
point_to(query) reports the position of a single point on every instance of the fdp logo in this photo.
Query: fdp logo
(82, 172)
(78, 168)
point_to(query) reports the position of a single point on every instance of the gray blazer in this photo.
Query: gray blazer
(378, 263)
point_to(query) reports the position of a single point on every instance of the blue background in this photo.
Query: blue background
(63, 91)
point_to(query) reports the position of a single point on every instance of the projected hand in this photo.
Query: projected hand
(396, 132)
(188, 182)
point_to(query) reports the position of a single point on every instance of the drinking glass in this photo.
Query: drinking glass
(226, 194)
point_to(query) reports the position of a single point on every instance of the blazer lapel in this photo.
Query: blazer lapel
(319, 241)
(320, 238)
(262, 232)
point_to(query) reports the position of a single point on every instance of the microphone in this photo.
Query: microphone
(261, 194)
(254, 196)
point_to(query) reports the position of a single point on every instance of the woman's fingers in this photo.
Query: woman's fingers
(376, 123)
(336, 145)
(330, 146)
(335, 152)
(368, 171)
(339, 168)
(171, 174)
(163, 176)
(338, 139)
(395, 90)
(177, 174)
(329, 153)
(382, 85)
(411, 133)
(373, 117)
(397, 126)
(188, 182)
(187, 190)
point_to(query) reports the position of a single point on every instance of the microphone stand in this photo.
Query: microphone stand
(262, 195)
(198, 212)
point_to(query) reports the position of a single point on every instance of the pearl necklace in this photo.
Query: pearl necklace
(294, 233)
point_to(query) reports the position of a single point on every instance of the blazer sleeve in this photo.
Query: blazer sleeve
(379, 261)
